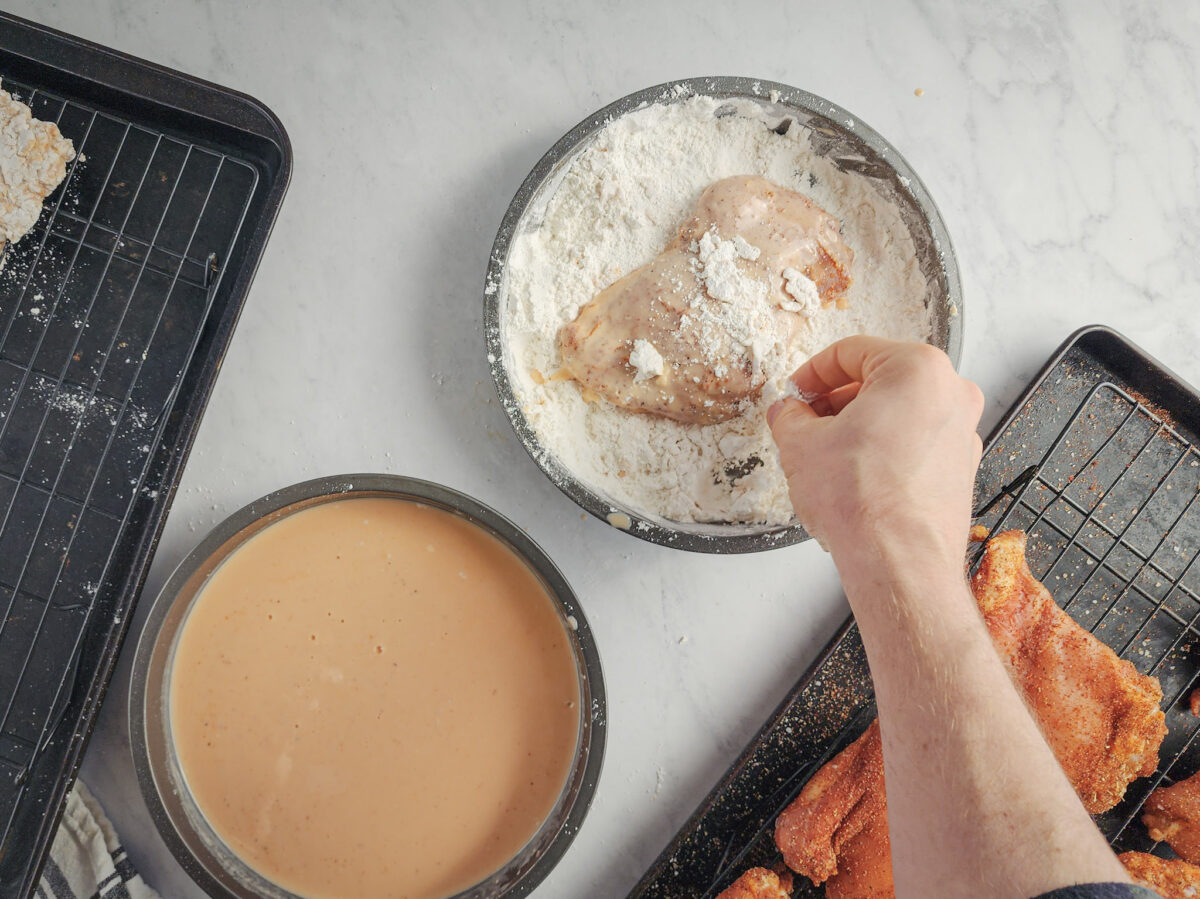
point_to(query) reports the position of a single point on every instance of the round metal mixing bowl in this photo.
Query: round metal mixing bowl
(193, 842)
(835, 134)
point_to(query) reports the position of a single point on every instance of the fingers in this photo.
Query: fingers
(842, 363)
(792, 407)
(834, 402)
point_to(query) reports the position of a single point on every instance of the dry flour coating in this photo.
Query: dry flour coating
(619, 203)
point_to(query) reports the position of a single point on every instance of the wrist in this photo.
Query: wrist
(908, 544)
(914, 564)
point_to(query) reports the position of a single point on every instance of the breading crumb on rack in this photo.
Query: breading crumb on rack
(33, 162)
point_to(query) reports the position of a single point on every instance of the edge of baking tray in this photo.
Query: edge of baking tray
(103, 71)
(140, 79)
(1142, 370)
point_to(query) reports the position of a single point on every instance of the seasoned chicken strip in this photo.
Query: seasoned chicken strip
(1170, 878)
(1099, 715)
(759, 883)
(1173, 814)
(696, 332)
(33, 162)
(837, 804)
(865, 864)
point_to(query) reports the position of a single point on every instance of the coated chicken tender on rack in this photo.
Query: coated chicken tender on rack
(696, 332)
(1099, 715)
(838, 803)
(1173, 814)
(836, 832)
(1171, 878)
(759, 883)
(33, 162)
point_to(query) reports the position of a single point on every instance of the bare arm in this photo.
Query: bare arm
(880, 468)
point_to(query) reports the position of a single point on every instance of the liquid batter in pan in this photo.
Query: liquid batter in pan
(373, 697)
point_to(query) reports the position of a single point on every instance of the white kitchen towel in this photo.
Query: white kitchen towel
(87, 860)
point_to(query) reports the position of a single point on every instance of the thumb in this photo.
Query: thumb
(787, 415)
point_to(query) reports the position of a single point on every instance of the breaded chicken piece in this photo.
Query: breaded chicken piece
(663, 339)
(33, 162)
(1173, 814)
(1099, 715)
(844, 799)
(759, 883)
(1194, 702)
(836, 830)
(865, 864)
(1170, 878)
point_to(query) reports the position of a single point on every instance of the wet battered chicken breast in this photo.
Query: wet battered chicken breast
(33, 162)
(1170, 878)
(759, 883)
(702, 363)
(1173, 814)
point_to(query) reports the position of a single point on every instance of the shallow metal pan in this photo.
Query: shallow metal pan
(182, 826)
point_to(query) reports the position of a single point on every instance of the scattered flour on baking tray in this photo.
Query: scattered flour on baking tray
(618, 204)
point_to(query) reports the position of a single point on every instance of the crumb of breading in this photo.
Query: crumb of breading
(759, 883)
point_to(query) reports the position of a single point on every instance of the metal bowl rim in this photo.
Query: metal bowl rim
(721, 87)
(332, 488)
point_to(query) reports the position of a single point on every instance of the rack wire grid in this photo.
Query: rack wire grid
(1114, 533)
(101, 309)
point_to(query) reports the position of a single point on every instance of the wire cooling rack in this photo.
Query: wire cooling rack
(100, 312)
(1098, 463)
(1114, 534)
(114, 312)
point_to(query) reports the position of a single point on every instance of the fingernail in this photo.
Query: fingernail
(773, 412)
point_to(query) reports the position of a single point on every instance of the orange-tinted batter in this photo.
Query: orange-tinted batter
(373, 697)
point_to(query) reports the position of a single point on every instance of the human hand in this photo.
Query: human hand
(886, 448)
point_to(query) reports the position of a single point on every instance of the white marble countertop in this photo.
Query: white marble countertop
(1061, 142)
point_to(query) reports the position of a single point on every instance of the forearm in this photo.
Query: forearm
(969, 776)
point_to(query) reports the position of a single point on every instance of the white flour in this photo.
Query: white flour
(618, 205)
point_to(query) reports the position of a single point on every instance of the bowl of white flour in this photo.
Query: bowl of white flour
(605, 200)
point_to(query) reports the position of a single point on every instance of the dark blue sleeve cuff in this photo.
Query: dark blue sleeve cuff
(1101, 891)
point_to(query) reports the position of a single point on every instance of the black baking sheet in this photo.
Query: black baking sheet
(1099, 455)
(115, 311)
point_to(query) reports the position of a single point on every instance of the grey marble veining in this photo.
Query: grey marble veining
(1060, 140)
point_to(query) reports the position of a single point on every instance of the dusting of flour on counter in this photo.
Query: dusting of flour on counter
(619, 203)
